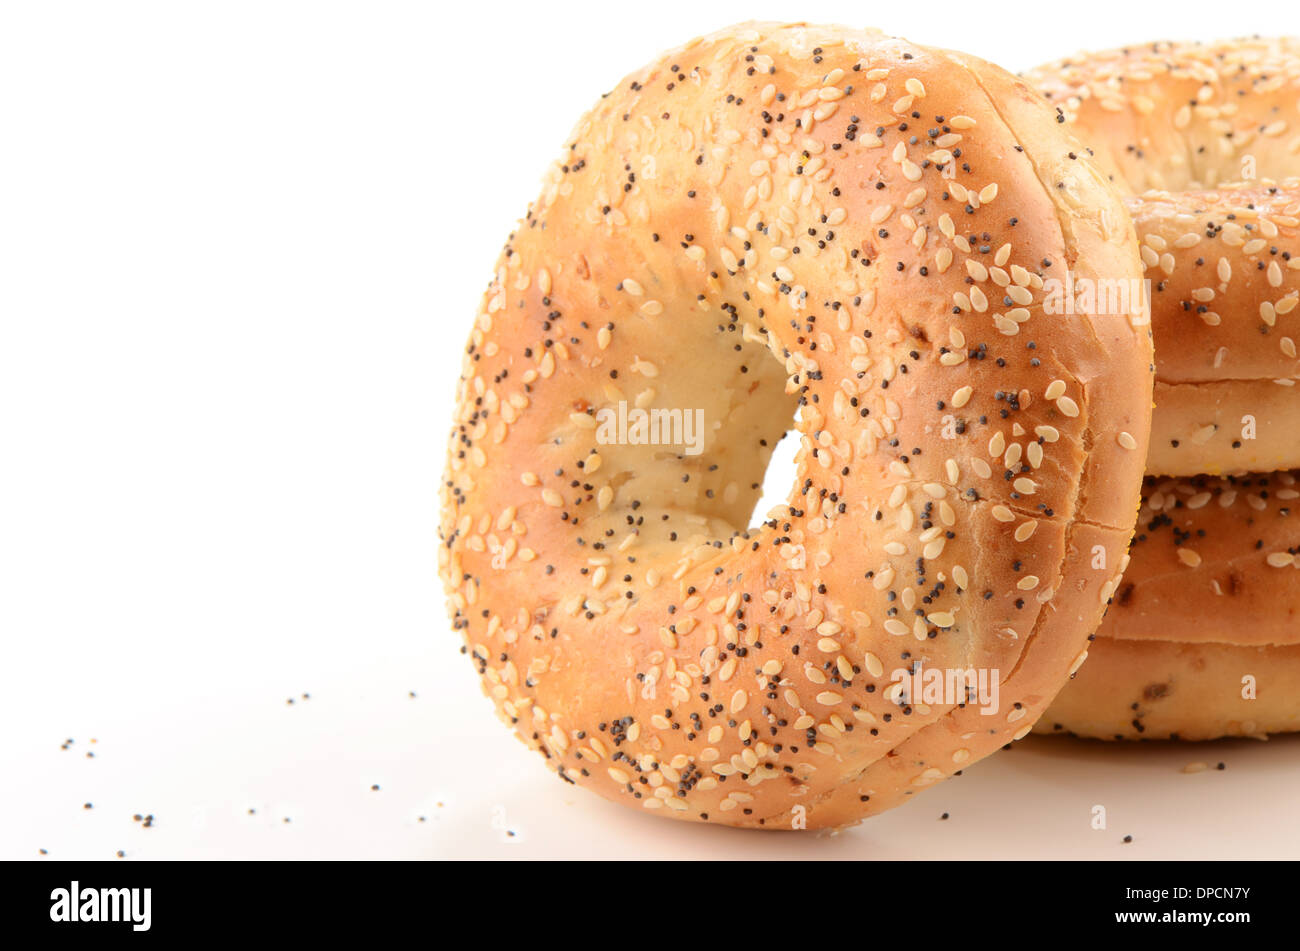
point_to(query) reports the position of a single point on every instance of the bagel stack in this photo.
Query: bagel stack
(1203, 637)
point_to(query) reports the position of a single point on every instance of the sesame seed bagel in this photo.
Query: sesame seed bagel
(1205, 141)
(830, 230)
(1213, 560)
(1211, 593)
(1160, 690)
(1183, 116)
(1224, 295)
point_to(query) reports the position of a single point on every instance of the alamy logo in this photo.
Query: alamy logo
(947, 687)
(102, 904)
(655, 427)
(1130, 297)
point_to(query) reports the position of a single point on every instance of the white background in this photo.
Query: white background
(241, 245)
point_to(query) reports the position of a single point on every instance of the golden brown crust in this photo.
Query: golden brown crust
(1204, 139)
(1224, 268)
(1183, 116)
(1159, 690)
(1211, 595)
(1224, 272)
(769, 218)
(1213, 560)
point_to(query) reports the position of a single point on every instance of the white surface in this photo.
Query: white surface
(241, 245)
(199, 762)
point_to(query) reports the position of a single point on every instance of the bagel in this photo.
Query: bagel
(1211, 594)
(823, 228)
(1226, 327)
(1213, 560)
(1204, 139)
(1162, 690)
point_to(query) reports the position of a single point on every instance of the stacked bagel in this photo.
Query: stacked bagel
(1203, 637)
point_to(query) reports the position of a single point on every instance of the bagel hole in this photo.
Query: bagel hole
(778, 479)
(707, 486)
